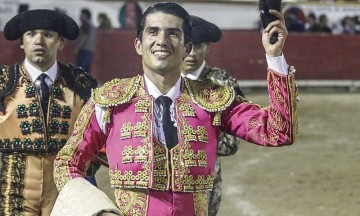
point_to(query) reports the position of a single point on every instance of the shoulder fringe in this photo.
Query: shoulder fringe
(210, 96)
(116, 91)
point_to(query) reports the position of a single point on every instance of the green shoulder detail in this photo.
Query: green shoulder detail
(9, 76)
(210, 96)
(116, 91)
(78, 80)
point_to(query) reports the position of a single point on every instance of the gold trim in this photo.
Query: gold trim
(200, 204)
(210, 96)
(185, 158)
(62, 172)
(116, 91)
(294, 99)
(132, 202)
(5, 76)
(8, 186)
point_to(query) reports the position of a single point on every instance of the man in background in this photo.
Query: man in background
(85, 44)
(40, 100)
(194, 67)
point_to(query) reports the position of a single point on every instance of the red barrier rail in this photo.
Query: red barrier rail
(315, 56)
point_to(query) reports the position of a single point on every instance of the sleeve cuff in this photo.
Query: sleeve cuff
(278, 64)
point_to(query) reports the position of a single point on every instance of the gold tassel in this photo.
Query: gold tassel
(217, 119)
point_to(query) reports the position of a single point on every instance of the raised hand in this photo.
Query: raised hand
(275, 27)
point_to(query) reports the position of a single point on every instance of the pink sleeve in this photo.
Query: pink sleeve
(84, 143)
(275, 125)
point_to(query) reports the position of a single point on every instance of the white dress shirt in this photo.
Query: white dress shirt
(35, 72)
(277, 64)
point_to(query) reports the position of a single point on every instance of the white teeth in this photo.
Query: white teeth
(161, 53)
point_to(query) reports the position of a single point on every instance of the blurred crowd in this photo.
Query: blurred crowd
(129, 14)
(295, 18)
(297, 21)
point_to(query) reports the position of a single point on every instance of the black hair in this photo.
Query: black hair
(168, 8)
(86, 12)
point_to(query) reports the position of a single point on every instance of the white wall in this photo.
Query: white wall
(226, 16)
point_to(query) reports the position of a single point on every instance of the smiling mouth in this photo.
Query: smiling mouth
(161, 54)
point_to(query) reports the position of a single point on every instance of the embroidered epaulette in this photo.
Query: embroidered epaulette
(78, 80)
(116, 91)
(210, 96)
(8, 77)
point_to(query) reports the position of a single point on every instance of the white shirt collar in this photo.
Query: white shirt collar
(195, 74)
(155, 92)
(35, 72)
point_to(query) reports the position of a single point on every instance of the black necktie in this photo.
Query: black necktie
(170, 130)
(44, 93)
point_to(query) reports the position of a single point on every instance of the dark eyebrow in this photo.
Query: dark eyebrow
(174, 29)
(152, 28)
(157, 29)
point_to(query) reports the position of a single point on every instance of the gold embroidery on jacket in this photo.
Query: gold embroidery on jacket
(28, 131)
(189, 133)
(200, 204)
(140, 130)
(186, 156)
(13, 167)
(4, 77)
(132, 202)
(127, 155)
(160, 169)
(140, 155)
(142, 106)
(202, 134)
(210, 96)
(275, 122)
(128, 179)
(116, 91)
(217, 119)
(294, 103)
(187, 109)
(191, 159)
(62, 176)
(126, 131)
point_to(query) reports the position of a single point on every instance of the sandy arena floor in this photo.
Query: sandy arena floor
(318, 176)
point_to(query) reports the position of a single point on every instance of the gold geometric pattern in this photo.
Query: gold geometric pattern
(62, 176)
(184, 181)
(126, 130)
(128, 179)
(200, 204)
(275, 123)
(132, 202)
(210, 96)
(116, 91)
(4, 77)
(12, 184)
(142, 106)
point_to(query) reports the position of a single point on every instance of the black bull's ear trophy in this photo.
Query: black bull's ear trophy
(266, 17)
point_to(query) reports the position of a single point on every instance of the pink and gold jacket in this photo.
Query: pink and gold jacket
(137, 159)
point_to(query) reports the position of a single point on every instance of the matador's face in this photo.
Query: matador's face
(195, 58)
(41, 47)
(162, 46)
